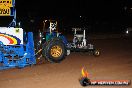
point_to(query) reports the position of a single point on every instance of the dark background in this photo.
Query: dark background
(96, 15)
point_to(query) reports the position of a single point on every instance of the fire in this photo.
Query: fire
(84, 73)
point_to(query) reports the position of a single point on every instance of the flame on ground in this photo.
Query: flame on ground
(84, 73)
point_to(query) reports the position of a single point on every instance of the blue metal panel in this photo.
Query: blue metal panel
(64, 39)
(30, 47)
(16, 56)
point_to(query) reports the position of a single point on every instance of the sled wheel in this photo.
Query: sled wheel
(96, 53)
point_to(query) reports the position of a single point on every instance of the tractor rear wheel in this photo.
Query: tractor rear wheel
(54, 50)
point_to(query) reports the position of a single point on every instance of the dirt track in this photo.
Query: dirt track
(115, 62)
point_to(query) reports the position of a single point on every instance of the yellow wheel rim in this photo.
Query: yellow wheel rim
(56, 51)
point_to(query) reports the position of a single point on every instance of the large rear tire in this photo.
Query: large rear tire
(55, 50)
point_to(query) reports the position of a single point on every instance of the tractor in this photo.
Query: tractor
(52, 44)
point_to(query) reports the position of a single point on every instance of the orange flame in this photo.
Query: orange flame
(84, 73)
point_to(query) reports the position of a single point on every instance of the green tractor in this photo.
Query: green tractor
(52, 44)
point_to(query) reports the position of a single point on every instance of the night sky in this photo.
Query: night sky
(95, 14)
(72, 7)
